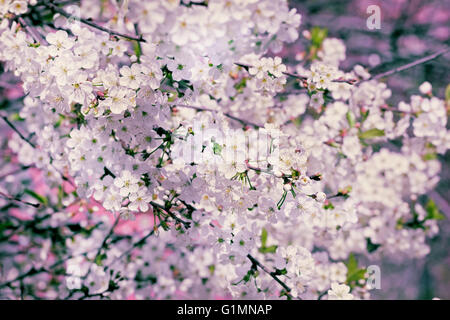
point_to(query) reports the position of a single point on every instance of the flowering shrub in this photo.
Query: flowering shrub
(171, 156)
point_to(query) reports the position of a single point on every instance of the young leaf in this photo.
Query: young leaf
(354, 274)
(264, 237)
(270, 249)
(447, 94)
(350, 119)
(318, 34)
(371, 133)
(370, 246)
(217, 148)
(433, 212)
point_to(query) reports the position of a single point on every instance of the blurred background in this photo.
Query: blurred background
(410, 29)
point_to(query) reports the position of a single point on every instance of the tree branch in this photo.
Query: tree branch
(36, 36)
(5, 118)
(186, 224)
(272, 274)
(8, 197)
(34, 271)
(91, 24)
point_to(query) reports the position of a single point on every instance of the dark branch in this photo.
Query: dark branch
(7, 197)
(5, 118)
(91, 24)
(412, 64)
(272, 274)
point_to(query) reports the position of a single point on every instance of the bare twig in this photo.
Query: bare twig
(272, 274)
(321, 295)
(36, 36)
(34, 271)
(412, 64)
(249, 256)
(186, 224)
(6, 85)
(8, 197)
(3, 176)
(110, 233)
(136, 244)
(91, 24)
(5, 118)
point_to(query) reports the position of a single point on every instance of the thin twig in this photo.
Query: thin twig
(3, 176)
(6, 85)
(186, 224)
(293, 75)
(91, 24)
(8, 197)
(250, 257)
(103, 245)
(136, 244)
(110, 233)
(272, 274)
(36, 36)
(17, 131)
(411, 64)
(5, 118)
(321, 295)
(34, 271)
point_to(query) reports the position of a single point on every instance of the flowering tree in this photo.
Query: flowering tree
(162, 150)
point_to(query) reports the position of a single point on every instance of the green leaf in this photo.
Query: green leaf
(354, 274)
(350, 119)
(429, 156)
(328, 206)
(241, 85)
(318, 34)
(270, 249)
(281, 201)
(137, 49)
(371, 247)
(352, 264)
(16, 117)
(217, 148)
(279, 272)
(433, 212)
(211, 269)
(371, 133)
(447, 94)
(264, 237)
(38, 197)
(249, 274)
(264, 248)
(99, 259)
